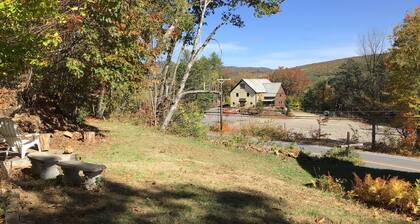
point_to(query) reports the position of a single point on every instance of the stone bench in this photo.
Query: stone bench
(44, 165)
(71, 169)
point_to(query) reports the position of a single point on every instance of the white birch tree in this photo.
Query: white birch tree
(186, 31)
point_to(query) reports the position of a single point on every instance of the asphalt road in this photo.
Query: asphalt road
(371, 159)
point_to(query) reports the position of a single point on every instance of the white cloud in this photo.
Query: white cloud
(304, 56)
(221, 49)
(224, 48)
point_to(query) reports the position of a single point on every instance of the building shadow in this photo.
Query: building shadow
(344, 170)
(120, 203)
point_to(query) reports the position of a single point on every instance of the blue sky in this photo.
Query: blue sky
(307, 31)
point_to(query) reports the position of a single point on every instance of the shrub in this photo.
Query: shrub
(259, 107)
(392, 143)
(292, 103)
(344, 154)
(355, 137)
(417, 196)
(390, 193)
(225, 128)
(233, 141)
(243, 142)
(268, 132)
(328, 183)
(187, 122)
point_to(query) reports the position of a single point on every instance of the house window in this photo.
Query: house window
(242, 85)
(233, 103)
(247, 94)
(251, 103)
(237, 94)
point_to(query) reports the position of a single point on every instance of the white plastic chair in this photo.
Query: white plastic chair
(16, 141)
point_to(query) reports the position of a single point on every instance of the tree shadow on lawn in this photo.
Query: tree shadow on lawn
(344, 170)
(120, 203)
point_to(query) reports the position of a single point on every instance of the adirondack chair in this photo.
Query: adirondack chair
(15, 140)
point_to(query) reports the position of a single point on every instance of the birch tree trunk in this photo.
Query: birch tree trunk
(196, 51)
(178, 97)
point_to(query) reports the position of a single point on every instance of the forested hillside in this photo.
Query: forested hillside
(234, 72)
(315, 71)
(323, 69)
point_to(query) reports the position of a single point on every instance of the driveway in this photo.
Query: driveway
(370, 159)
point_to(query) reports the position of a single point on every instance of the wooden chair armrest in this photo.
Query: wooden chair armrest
(31, 135)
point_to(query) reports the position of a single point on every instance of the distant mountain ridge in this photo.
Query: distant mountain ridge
(324, 69)
(234, 72)
(315, 71)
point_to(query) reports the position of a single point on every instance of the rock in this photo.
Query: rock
(68, 150)
(68, 134)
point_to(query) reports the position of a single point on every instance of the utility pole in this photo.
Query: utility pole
(221, 81)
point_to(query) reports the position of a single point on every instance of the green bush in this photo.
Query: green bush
(344, 154)
(233, 141)
(259, 107)
(187, 122)
(292, 103)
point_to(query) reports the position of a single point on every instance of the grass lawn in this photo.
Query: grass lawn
(157, 178)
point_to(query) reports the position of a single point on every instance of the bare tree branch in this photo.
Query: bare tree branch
(199, 91)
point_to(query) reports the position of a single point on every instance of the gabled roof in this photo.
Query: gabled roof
(257, 84)
(272, 88)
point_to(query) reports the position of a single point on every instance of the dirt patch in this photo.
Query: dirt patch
(60, 143)
(8, 101)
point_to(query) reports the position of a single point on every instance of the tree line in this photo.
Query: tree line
(384, 87)
(95, 57)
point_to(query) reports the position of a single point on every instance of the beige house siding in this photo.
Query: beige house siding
(260, 97)
(243, 93)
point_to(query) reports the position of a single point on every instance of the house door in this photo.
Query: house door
(242, 102)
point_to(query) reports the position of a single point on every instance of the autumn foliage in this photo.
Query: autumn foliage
(294, 80)
(390, 193)
(403, 63)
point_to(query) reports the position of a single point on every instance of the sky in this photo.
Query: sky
(306, 31)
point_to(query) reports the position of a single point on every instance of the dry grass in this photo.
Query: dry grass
(157, 178)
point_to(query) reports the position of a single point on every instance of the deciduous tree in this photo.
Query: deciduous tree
(294, 80)
(170, 93)
(403, 62)
(27, 33)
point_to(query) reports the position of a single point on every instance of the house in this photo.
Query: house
(248, 92)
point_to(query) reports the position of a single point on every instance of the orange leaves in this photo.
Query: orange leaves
(294, 80)
(391, 193)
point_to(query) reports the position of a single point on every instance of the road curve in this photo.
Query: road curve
(370, 159)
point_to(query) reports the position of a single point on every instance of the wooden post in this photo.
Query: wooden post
(44, 139)
(348, 144)
(89, 137)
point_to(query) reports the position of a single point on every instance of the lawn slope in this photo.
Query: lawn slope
(156, 178)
